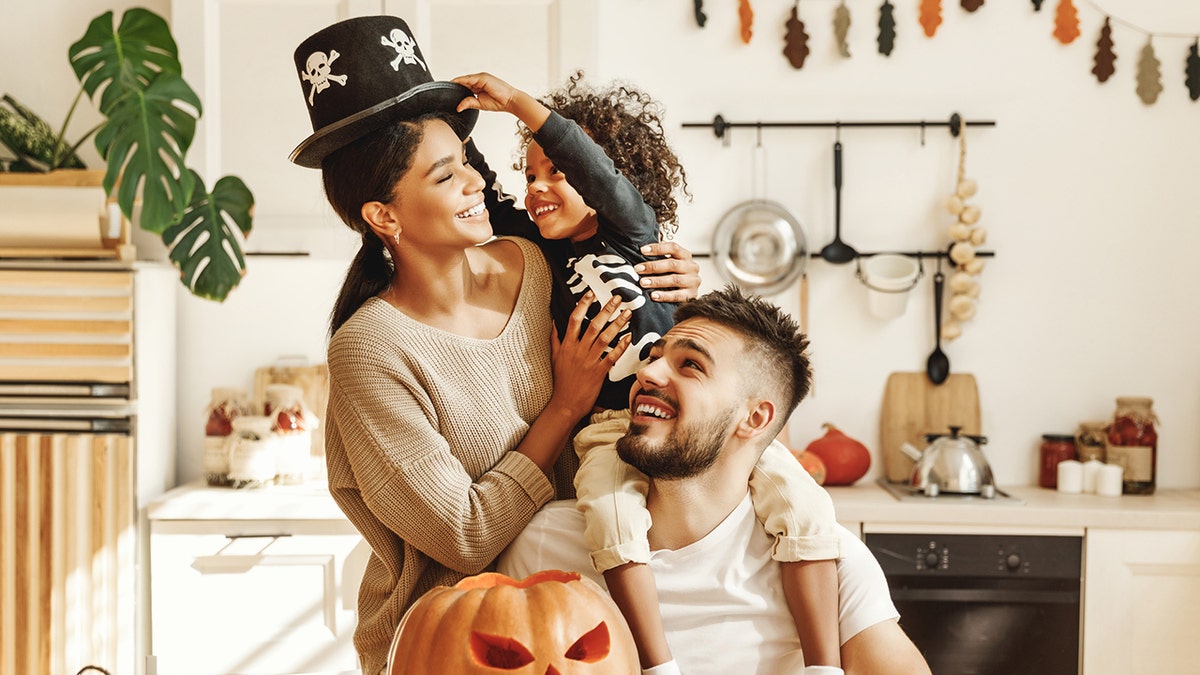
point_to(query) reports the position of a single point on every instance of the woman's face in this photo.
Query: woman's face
(555, 207)
(439, 201)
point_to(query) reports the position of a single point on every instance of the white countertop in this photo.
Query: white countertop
(1038, 508)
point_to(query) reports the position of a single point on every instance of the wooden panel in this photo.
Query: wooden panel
(61, 279)
(109, 374)
(69, 303)
(85, 350)
(67, 532)
(64, 327)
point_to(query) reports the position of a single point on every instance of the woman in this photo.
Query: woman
(444, 431)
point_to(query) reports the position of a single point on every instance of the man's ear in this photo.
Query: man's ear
(380, 218)
(757, 420)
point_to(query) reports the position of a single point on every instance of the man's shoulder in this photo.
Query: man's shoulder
(553, 539)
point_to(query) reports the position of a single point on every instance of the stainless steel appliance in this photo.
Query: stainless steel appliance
(987, 604)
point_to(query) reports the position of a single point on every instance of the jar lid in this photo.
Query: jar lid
(1092, 426)
(228, 394)
(1065, 438)
(1134, 401)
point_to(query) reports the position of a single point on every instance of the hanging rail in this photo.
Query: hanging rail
(720, 125)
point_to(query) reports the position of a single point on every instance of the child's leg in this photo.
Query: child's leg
(799, 513)
(612, 496)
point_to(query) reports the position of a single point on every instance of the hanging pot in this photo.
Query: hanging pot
(758, 245)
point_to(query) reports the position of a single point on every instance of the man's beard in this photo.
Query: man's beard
(683, 454)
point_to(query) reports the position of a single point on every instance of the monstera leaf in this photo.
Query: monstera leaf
(206, 244)
(151, 113)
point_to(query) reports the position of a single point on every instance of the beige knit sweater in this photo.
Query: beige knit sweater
(418, 432)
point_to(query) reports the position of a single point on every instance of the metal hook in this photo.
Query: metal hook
(955, 125)
(837, 130)
(758, 133)
(922, 133)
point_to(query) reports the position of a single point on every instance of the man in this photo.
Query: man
(718, 388)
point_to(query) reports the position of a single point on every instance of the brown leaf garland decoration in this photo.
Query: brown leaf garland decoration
(746, 18)
(795, 40)
(1149, 75)
(971, 5)
(1193, 71)
(1105, 56)
(1066, 22)
(698, 9)
(1037, 5)
(887, 28)
(841, 28)
(931, 16)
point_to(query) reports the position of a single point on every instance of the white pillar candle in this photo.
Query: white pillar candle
(1070, 476)
(1091, 473)
(1110, 479)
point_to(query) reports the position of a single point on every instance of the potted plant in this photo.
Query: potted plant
(133, 75)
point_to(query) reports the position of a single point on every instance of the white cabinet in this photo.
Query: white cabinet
(231, 595)
(1141, 591)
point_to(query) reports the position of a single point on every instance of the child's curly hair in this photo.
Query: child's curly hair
(627, 123)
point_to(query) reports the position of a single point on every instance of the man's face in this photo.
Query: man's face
(686, 401)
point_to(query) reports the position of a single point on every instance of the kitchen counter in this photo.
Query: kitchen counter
(1033, 507)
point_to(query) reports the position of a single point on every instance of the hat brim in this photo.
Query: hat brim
(424, 98)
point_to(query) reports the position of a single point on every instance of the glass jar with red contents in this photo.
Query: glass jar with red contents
(1133, 444)
(1055, 448)
(290, 422)
(227, 404)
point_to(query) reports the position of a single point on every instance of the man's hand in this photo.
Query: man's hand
(673, 278)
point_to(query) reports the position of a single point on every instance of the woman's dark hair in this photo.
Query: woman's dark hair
(627, 123)
(367, 170)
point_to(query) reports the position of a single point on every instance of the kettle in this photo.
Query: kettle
(952, 463)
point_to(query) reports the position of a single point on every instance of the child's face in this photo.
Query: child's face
(555, 207)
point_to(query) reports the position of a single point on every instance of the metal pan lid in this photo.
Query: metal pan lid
(759, 247)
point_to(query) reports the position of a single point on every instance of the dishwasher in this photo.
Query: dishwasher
(982, 604)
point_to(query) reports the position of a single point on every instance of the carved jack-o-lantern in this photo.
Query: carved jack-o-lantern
(550, 623)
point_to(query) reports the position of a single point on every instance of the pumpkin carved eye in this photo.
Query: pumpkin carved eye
(592, 647)
(499, 652)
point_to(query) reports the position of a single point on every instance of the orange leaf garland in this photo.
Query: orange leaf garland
(796, 39)
(841, 28)
(971, 5)
(931, 16)
(1149, 75)
(746, 18)
(1105, 56)
(1066, 22)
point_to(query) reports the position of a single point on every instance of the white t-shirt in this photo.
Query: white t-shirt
(721, 598)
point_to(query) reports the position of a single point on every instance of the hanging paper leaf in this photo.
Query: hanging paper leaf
(698, 9)
(1066, 22)
(1149, 76)
(1037, 5)
(746, 17)
(795, 40)
(972, 5)
(1105, 56)
(841, 27)
(931, 16)
(887, 28)
(1193, 71)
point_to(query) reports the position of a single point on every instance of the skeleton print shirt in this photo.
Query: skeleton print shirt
(604, 263)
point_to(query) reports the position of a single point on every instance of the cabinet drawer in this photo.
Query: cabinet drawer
(254, 604)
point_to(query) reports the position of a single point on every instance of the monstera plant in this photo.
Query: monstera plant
(133, 75)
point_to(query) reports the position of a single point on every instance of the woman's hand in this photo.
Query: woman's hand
(583, 357)
(675, 276)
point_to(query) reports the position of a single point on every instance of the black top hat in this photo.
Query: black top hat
(362, 74)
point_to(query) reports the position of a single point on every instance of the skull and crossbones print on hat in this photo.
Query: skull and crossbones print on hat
(361, 74)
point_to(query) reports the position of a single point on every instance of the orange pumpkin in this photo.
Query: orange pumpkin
(550, 623)
(812, 464)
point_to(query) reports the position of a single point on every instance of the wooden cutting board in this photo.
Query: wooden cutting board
(313, 380)
(913, 406)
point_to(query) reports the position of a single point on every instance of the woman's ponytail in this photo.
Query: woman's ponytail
(369, 274)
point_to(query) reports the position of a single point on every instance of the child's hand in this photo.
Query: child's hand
(582, 358)
(491, 93)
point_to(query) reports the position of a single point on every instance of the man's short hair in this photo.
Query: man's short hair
(776, 348)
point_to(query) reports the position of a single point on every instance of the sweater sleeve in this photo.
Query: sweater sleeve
(625, 220)
(407, 471)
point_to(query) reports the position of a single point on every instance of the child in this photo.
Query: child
(600, 182)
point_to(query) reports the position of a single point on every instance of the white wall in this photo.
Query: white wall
(1088, 195)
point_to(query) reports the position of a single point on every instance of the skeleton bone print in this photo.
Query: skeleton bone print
(406, 49)
(317, 71)
(608, 275)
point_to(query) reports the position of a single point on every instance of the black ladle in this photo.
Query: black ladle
(837, 251)
(938, 366)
